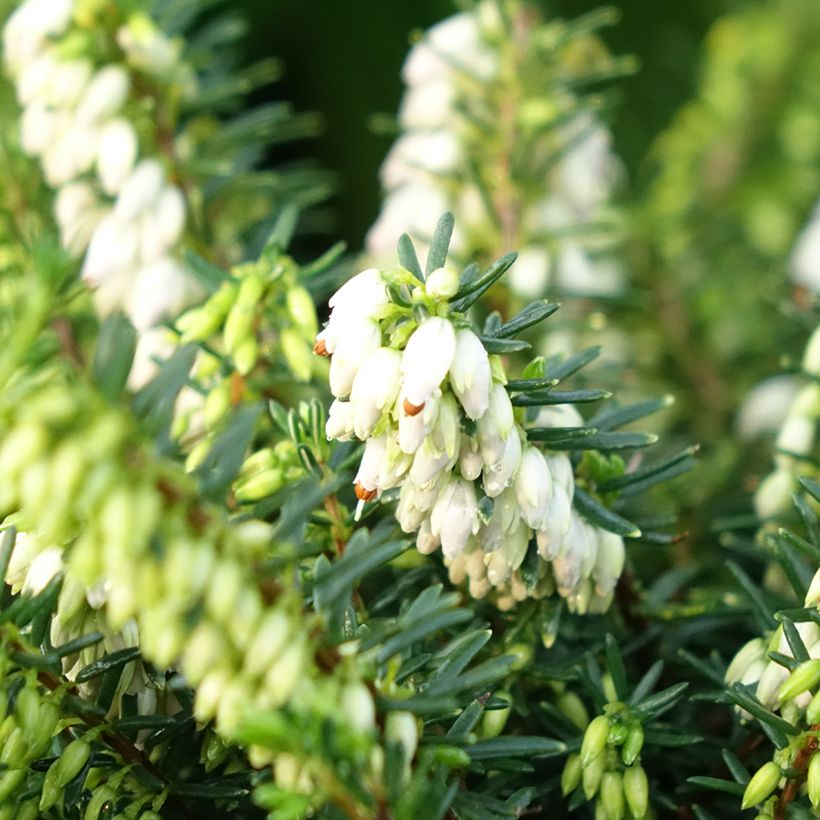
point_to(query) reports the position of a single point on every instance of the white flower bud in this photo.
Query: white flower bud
(359, 340)
(426, 542)
(509, 556)
(470, 463)
(104, 96)
(426, 360)
(561, 469)
(140, 191)
(68, 83)
(413, 429)
(773, 496)
(43, 568)
(161, 225)
(577, 556)
(367, 476)
(495, 425)
(41, 127)
(35, 79)
(797, 434)
(417, 152)
(442, 283)
(70, 155)
(361, 295)
(805, 259)
(429, 462)
(429, 105)
(340, 421)
(500, 475)
(770, 683)
(454, 516)
(77, 215)
(375, 388)
(284, 675)
(116, 155)
(160, 289)
(446, 433)
(402, 728)
(533, 487)
(358, 708)
(609, 563)
(470, 374)
(505, 520)
(113, 248)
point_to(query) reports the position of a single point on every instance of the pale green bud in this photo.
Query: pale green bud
(571, 775)
(591, 775)
(10, 781)
(204, 648)
(66, 767)
(263, 459)
(298, 353)
(209, 693)
(284, 675)
(762, 784)
(442, 283)
(451, 756)
(303, 312)
(358, 708)
(572, 707)
(636, 791)
(612, 795)
(253, 535)
(41, 733)
(245, 355)
(493, 721)
(225, 589)
(13, 753)
(270, 639)
(595, 739)
(239, 324)
(27, 709)
(232, 703)
(804, 677)
(197, 325)
(28, 811)
(633, 744)
(259, 486)
(813, 780)
(217, 404)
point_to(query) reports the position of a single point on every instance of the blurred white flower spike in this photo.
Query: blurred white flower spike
(495, 130)
(430, 398)
(114, 204)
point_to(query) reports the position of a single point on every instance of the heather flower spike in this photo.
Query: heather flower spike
(430, 398)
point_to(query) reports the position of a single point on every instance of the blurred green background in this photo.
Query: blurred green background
(343, 59)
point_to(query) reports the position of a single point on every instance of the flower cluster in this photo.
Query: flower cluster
(484, 104)
(415, 382)
(114, 204)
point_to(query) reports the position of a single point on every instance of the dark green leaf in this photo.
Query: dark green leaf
(531, 315)
(596, 513)
(504, 345)
(114, 355)
(514, 746)
(472, 291)
(559, 397)
(440, 244)
(609, 419)
(208, 275)
(407, 257)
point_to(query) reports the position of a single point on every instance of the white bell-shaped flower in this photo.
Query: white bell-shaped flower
(117, 153)
(105, 95)
(533, 486)
(470, 374)
(454, 516)
(500, 475)
(360, 340)
(495, 425)
(374, 389)
(426, 360)
(339, 424)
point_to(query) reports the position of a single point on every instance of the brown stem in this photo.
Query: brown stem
(800, 764)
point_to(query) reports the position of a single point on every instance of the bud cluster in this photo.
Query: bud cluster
(608, 765)
(796, 443)
(137, 537)
(259, 318)
(114, 203)
(483, 104)
(415, 383)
